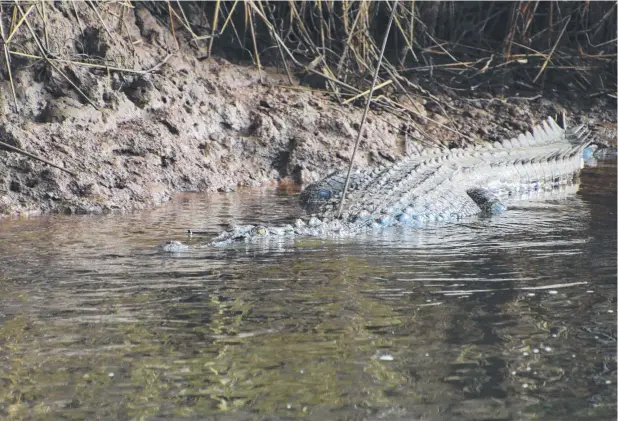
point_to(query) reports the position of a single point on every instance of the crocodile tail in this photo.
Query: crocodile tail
(550, 133)
(580, 137)
(574, 141)
(546, 133)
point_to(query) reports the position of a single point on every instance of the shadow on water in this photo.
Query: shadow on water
(492, 319)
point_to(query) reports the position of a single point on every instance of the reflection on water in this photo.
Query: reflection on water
(492, 319)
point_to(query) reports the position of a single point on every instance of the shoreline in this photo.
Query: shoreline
(195, 124)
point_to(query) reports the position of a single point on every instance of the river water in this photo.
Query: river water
(508, 318)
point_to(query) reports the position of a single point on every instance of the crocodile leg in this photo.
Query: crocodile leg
(487, 200)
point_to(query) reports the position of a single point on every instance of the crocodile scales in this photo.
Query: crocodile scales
(435, 185)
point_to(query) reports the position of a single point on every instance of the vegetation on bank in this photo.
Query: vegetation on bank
(455, 46)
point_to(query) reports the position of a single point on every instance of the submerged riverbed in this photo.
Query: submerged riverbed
(511, 317)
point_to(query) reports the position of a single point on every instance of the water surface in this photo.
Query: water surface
(508, 318)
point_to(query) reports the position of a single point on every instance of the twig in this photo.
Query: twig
(229, 16)
(215, 21)
(156, 66)
(44, 53)
(8, 62)
(552, 50)
(38, 158)
(21, 21)
(291, 56)
(364, 93)
(8, 67)
(360, 129)
(255, 47)
(44, 17)
(96, 12)
(85, 64)
(183, 21)
(281, 53)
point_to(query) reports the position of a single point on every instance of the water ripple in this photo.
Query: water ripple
(487, 316)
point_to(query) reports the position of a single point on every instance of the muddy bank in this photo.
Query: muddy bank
(135, 138)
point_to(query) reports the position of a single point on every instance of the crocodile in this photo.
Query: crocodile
(435, 185)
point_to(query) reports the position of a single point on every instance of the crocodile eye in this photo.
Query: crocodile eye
(324, 194)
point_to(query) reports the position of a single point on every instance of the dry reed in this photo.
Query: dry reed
(470, 46)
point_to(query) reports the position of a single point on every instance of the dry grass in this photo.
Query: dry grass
(469, 46)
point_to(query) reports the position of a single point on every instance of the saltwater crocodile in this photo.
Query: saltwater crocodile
(435, 185)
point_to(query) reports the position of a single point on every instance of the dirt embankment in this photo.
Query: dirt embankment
(133, 139)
